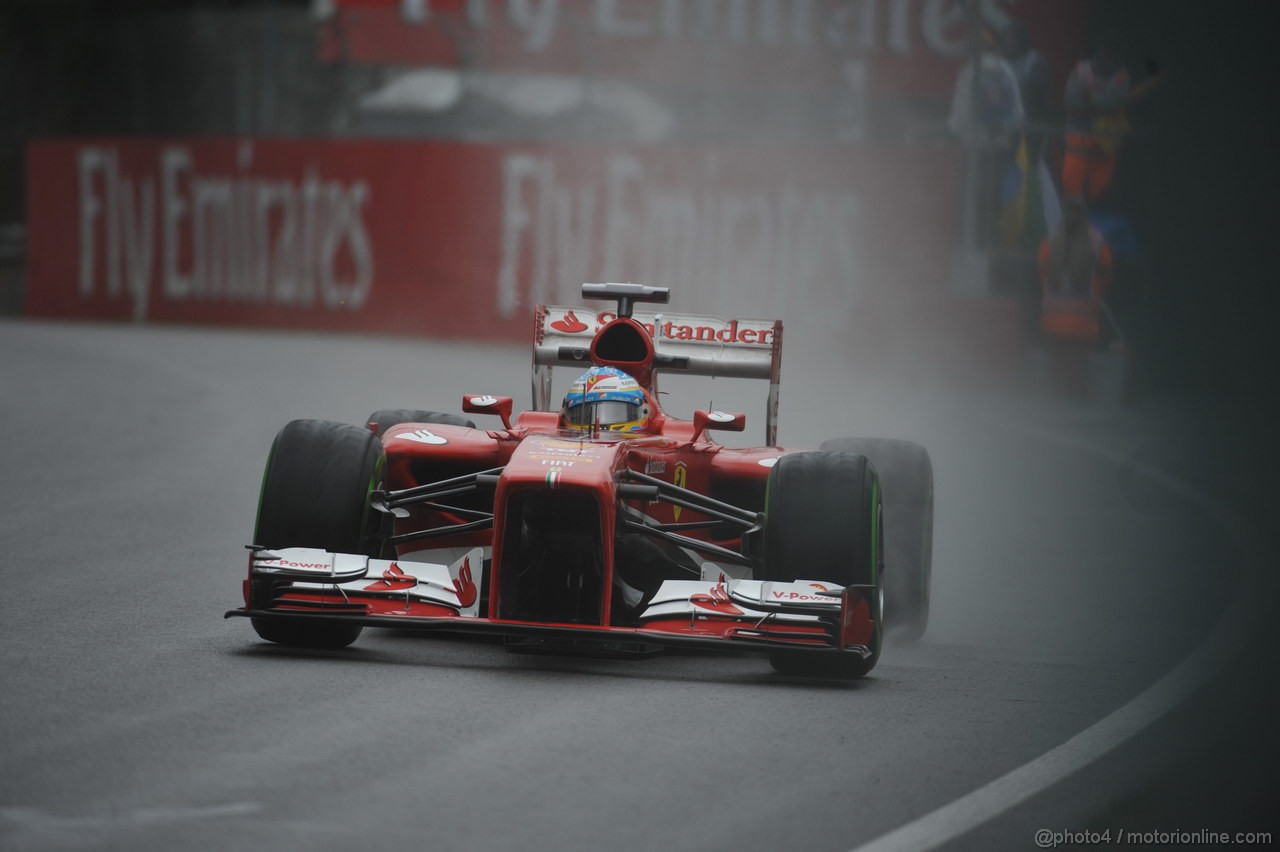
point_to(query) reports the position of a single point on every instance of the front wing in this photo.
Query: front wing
(726, 614)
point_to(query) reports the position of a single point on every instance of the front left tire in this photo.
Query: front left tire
(906, 475)
(823, 514)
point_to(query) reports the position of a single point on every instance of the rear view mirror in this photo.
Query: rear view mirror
(486, 404)
(721, 421)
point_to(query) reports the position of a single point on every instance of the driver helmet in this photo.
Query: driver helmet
(608, 399)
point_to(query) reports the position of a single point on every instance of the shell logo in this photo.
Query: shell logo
(570, 324)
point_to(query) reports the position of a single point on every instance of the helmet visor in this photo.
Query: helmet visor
(606, 413)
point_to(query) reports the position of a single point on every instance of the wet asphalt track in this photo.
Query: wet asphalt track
(133, 716)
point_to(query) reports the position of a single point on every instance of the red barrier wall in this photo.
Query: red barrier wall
(459, 240)
(911, 47)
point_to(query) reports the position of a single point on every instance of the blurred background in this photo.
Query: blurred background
(436, 167)
(348, 164)
(429, 170)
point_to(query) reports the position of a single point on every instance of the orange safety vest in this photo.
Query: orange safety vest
(1105, 130)
(1074, 316)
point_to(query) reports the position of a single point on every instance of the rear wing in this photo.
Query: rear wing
(683, 343)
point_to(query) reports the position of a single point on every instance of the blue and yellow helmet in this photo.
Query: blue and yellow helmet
(608, 399)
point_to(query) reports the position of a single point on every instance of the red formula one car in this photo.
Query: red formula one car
(605, 524)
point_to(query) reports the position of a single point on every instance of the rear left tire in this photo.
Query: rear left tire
(385, 418)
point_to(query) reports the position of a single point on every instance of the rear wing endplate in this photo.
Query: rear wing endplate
(683, 343)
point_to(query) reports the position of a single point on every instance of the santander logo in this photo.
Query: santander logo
(570, 324)
(393, 579)
(717, 600)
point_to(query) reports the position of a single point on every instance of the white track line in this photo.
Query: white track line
(1008, 791)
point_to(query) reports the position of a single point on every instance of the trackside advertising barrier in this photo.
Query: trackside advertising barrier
(903, 47)
(461, 240)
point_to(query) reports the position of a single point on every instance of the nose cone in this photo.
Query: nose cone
(554, 522)
(557, 463)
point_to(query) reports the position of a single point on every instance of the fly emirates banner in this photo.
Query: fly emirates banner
(461, 240)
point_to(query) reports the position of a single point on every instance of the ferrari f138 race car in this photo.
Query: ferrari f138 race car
(604, 525)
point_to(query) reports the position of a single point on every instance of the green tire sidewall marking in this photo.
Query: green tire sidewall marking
(262, 488)
(768, 487)
(876, 512)
(379, 467)
(875, 532)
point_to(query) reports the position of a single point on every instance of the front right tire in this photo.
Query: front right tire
(315, 493)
